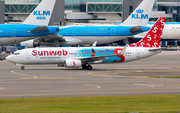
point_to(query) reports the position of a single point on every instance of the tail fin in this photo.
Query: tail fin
(153, 37)
(141, 14)
(42, 13)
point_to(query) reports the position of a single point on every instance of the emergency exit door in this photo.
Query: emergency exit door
(27, 54)
(138, 55)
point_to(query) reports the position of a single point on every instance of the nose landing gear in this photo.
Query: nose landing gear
(88, 67)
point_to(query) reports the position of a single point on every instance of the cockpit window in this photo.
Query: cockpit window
(16, 53)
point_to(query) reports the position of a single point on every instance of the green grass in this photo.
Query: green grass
(167, 76)
(107, 104)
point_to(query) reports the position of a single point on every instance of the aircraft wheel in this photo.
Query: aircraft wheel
(89, 67)
(84, 67)
(22, 67)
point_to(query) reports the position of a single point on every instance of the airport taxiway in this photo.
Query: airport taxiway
(133, 78)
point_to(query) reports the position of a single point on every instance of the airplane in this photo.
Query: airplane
(85, 56)
(170, 32)
(84, 34)
(35, 26)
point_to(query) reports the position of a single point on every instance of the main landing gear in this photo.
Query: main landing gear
(22, 67)
(86, 66)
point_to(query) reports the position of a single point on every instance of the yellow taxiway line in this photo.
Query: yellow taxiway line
(1, 88)
(143, 85)
(28, 76)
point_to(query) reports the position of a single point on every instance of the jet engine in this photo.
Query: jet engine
(72, 63)
(136, 29)
(30, 43)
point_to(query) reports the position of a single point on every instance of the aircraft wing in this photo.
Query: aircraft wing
(97, 58)
(51, 40)
(52, 37)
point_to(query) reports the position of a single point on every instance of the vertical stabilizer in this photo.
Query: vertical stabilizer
(153, 37)
(42, 13)
(141, 14)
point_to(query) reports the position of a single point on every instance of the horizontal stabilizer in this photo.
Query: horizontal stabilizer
(39, 29)
(156, 49)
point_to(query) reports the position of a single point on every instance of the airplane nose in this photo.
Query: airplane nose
(9, 58)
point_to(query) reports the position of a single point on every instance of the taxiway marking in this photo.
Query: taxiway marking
(139, 71)
(99, 74)
(96, 87)
(158, 63)
(48, 78)
(36, 77)
(1, 88)
(143, 85)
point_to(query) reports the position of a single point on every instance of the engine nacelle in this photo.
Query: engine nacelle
(30, 43)
(72, 63)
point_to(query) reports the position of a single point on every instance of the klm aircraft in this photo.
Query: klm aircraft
(84, 34)
(35, 26)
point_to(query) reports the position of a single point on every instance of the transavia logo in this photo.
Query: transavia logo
(41, 15)
(139, 15)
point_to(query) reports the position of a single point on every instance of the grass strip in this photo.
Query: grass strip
(104, 104)
(167, 76)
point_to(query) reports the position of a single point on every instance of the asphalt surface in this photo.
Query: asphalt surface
(133, 78)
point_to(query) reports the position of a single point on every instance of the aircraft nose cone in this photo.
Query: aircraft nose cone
(9, 58)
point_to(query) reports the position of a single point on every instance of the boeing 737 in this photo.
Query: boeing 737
(84, 56)
(35, 26)
(75, 35)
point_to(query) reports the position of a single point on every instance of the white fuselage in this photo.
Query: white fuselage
(60, 55)
(170, 32)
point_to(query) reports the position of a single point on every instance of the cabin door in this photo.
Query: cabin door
(13, 32)
(27, 54)
(138, 55)
(113, 31)
(74, 32)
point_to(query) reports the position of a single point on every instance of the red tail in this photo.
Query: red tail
(153, 37)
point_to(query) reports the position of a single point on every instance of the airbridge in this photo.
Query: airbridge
(19, 10)
(22, 8)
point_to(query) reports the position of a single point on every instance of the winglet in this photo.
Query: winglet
(124, 49)
(94, 45)
(141, 14)
(42, 13)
